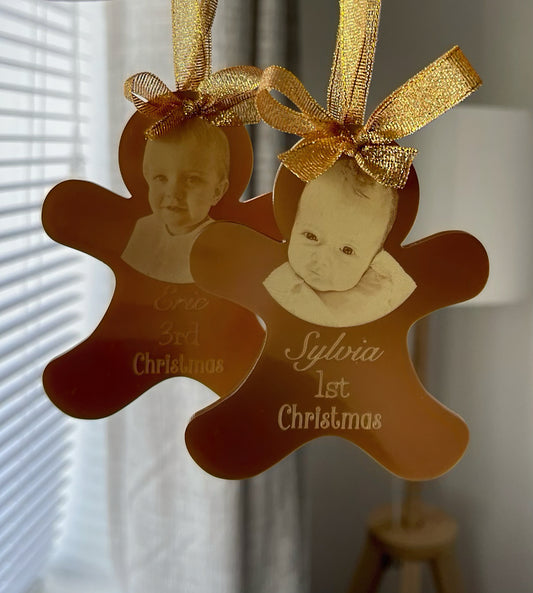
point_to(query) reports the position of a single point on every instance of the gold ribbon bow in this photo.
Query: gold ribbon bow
(224, 98)
(328, 134)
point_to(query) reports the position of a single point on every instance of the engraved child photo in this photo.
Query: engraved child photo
(338, 273)
(187, 173)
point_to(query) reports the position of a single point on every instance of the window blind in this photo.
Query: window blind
(44, 52)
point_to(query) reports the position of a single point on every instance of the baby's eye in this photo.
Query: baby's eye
(160, 178)
(347, 250)
(310, 236)
(194, 179)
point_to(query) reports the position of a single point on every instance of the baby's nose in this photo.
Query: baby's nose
(174, 192)
(322, 258)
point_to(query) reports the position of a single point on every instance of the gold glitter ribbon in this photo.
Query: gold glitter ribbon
(224, 98)
(329, 133)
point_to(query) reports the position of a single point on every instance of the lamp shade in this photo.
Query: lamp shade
(475, 167)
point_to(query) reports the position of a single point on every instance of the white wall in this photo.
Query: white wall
(481, 357)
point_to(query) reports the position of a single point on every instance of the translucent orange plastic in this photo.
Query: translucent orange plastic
(152, 330)
(312, 380)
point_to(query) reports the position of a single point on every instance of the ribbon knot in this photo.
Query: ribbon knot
(224, 98)
(327, 134)
(354, 136)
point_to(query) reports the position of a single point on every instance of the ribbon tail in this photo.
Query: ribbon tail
(309, 159)
(282, 117)
(441, 85)
(388, 164)
(237, 110)
(148, 93)
(144, 84)
(170, 121)
(231, 95)
(231, 82)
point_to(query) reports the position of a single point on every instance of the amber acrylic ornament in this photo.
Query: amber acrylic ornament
(186, 159)
(352, 381)
(159, 324)
(339, 294)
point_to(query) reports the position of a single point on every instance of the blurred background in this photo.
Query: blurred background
(116, 506)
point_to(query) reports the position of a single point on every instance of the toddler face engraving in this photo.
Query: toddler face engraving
(185, 177)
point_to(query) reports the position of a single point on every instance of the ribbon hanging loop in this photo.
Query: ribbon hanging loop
(339, 130)
(224, 98)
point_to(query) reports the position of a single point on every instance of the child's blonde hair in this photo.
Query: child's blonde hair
(208, 135)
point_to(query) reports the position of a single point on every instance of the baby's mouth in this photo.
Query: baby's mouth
(176, 208)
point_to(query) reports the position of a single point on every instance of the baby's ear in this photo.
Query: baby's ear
(220, 190)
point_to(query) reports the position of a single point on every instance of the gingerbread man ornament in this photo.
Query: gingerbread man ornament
(186, 159)
(154, 329)
(313, 380)
(340, 293)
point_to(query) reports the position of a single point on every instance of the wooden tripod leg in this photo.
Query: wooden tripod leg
(446, 573)
(410, 576)
(372, 563)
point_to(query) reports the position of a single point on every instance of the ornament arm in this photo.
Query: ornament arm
(454, 266)
(87, 217)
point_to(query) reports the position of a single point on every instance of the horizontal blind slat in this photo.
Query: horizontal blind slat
(20, 578)
(57, 6)
(26, 18)
(20, 321)
(46, 48)
(37, 139)
(17, 518)
(39, 68)
(18, 415)
(29, 252)
(30, 183)
(24, 382)
(36, 270)
(25, 209)
(43, 92)
(29, 162)
(33, 469)
(51, 6)
(41, 540)
(29, 116)
(46, 288)
(48, 430)
(16, 526)
(10, 384)
(33, 488)
(35, 335)
(29, 230)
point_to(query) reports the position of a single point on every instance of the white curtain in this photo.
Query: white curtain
(174, 528)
